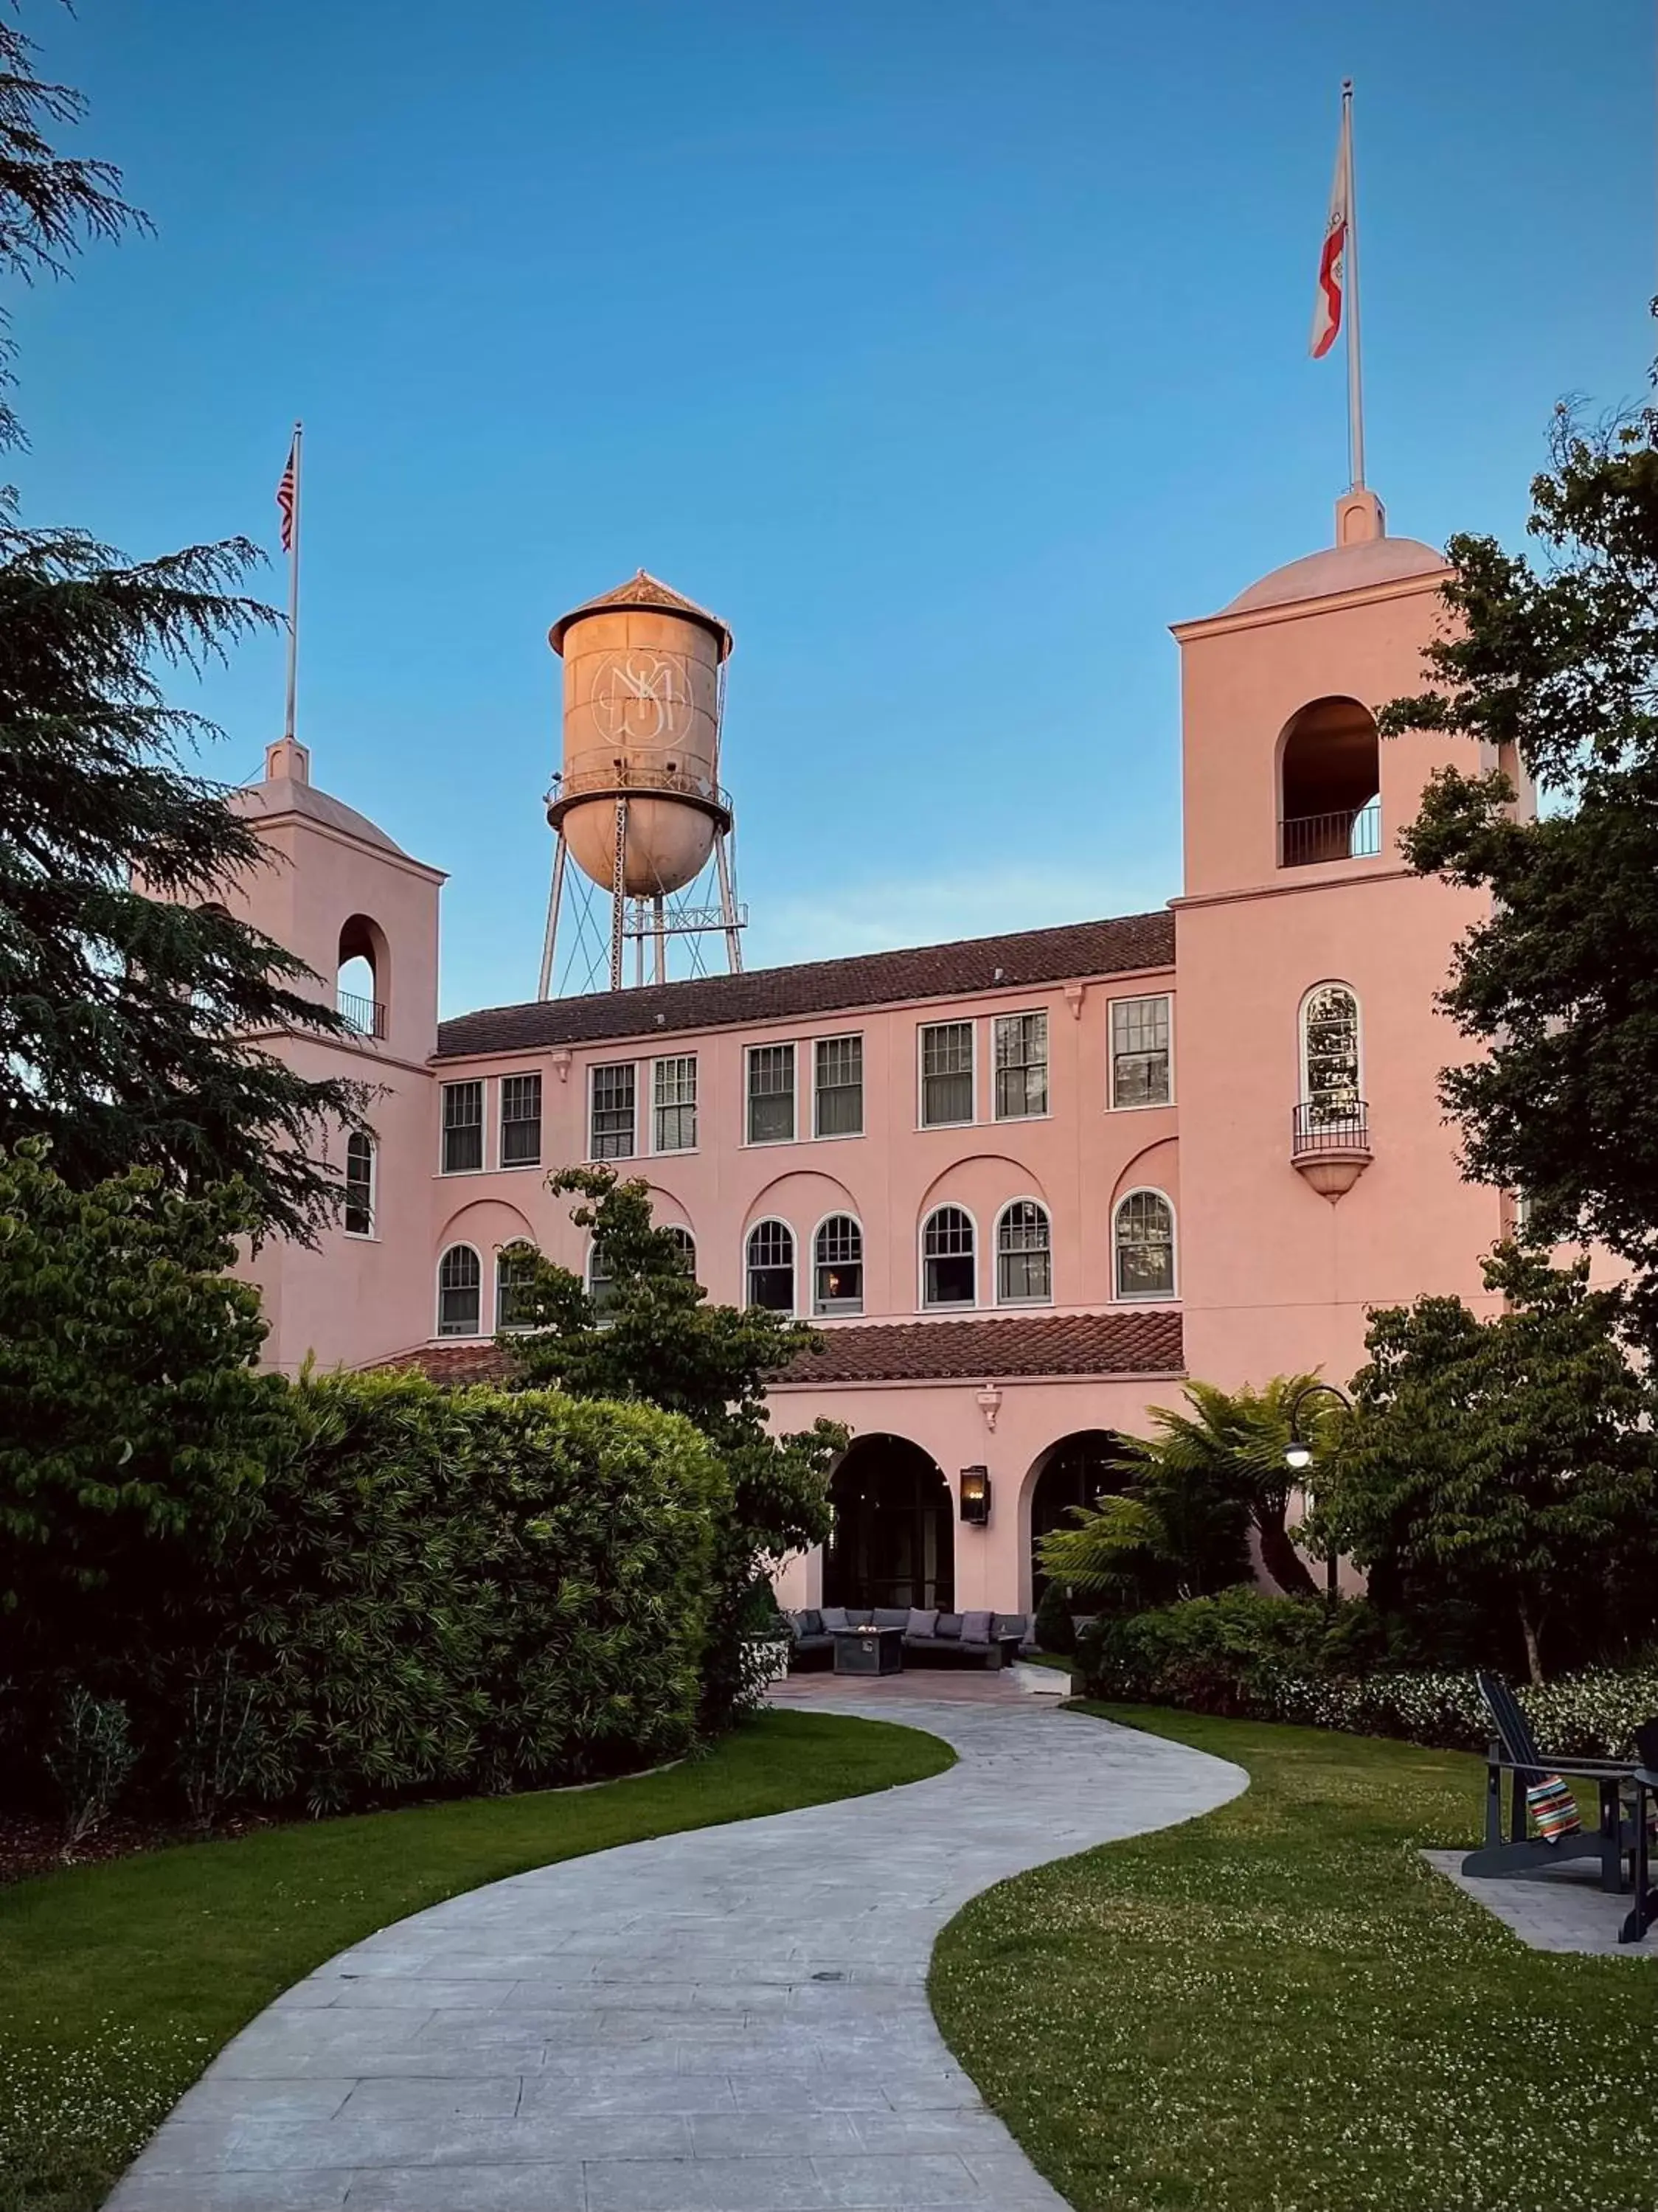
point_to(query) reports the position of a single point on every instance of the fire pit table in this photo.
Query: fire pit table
(870, 1651)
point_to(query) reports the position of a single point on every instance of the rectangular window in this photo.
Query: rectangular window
(771, 1094)
(837, 1088)
(1139, 1052)
(1021, 1066)
(359, 1184)
(521, 1121)
(611, 1118)
(674, 1103)
(946, 1074)
(514, 1287)
(463, 1127)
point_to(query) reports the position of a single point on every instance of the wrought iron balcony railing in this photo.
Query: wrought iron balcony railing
(1352, 833)
(1320, 1126)
(366, 1016)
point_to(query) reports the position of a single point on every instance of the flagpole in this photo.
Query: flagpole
(1354, 376)
(293, 586)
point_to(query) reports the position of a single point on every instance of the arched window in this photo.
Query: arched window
(514, 1278)
(362, 977)
(1331, 1090)
(1144, 1239)
(460, 1292)
(359, 1184)
(601, 1284)
(686, 1245)
(1024, 1255)
(1329, 785)
(838, 1267)
(772, 1267)
(948, 1276)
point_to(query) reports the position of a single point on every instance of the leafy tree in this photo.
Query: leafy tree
(656, 1338)
(128, 1002)
(1552, 664)
(130, 1418)
(1506, 1466)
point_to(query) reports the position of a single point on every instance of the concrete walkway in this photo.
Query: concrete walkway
(731, 2020)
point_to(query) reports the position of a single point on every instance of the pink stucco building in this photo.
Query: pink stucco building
(1024, 1183)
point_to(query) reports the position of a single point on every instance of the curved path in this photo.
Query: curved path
(734, 2019)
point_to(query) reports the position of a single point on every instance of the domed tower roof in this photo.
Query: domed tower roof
(646, 594)
(1363, 555)
(287, 789)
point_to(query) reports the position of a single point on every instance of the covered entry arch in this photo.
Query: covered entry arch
(893, 1540)
(1078, 1470)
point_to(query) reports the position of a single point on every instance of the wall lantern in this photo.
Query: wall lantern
(975, 1496)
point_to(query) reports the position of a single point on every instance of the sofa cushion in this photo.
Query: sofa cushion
(1011, 1624)
(834, 1619)
(892, 1616)
(860, 1616)
(975, 1627)
(920, 1623)
(810, 1623)
(947, 1624)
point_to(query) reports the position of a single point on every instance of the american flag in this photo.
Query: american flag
(286, 490)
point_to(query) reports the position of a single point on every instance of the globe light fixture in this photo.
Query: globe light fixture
(1297, 1456)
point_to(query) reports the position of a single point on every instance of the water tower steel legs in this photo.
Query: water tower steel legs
(544, 988)
(657, 916)
(728, 920)
(659, 931)
(619, 896)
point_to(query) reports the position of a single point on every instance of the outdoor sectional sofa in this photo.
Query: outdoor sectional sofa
(930, 1639)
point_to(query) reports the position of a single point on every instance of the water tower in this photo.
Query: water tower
(637, 803)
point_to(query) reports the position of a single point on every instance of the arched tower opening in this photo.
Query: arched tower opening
(362, 977)
(1329, 784)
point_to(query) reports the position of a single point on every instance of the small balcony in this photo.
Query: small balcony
(367, 1016)
(1330, 1144)
(1352, 833)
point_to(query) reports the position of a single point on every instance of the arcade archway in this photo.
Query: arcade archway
(893, 1542)
(1079, 1470)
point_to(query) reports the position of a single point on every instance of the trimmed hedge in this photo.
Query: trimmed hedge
(1245, 1654)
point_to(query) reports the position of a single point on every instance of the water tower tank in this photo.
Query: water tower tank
(642, 737)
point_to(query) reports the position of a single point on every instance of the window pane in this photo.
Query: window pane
(1139, 1052)
(946, 1073)
(771, 1094)
(840, 1107)
(674, 1098)
(1024, 1267)
(1021, 1066)
(460, 1292)
(521, 1121)
(611, 1135)
(1331, 1054)
(463, 1127)
(838, 1278)
(947, 1247)
(772, 1267)
(514, 1272)
(359, 1185)
(1145, 1246)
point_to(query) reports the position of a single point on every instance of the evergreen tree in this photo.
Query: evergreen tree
(1553, 666)
(129, 1002)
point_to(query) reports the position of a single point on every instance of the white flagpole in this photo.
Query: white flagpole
(1355, 378)
(293, 587)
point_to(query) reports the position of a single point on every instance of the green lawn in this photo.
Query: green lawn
(1280, 2009)
(117, 1982)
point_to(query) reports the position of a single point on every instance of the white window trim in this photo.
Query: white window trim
(609, 1159)
(1328, 983)
(768, 1220)
(371, 1234)
(1169, 1296)
(451, 1082)
(1149, 1105)
(675, 1151)
(503, 1165)
(840, 1136)
(950, 1305)
(837, 1213)
(767, 1144)
(1028, 1199)
(460, 1244)
(950, 1022)
(1016, 1014)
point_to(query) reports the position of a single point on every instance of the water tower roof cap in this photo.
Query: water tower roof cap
(648, 595)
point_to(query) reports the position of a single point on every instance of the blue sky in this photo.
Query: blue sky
(949, 348)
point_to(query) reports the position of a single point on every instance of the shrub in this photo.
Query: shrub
(474, 1589)
(1054, 1627)
(1208, 1652)
(90, 1761)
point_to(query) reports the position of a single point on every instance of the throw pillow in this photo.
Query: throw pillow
(1552, 1806)
(810, 1623)
(949, 1623)
(922, 1623)
(975, 1628)
(835, 1622)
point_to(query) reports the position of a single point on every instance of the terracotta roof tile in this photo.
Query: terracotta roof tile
(1147, 1342)
(1019, 962)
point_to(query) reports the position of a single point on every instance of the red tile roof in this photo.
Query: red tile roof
(1075, 952)
(1147, 1342)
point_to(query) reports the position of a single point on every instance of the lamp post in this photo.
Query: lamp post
(1298, 1457)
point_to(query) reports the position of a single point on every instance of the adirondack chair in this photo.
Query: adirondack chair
(1644, 1911)
(1512, 1751)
